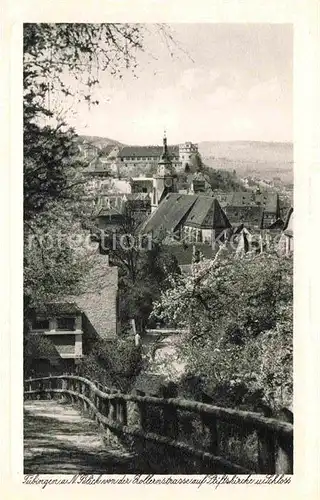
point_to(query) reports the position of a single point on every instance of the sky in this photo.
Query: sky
(225, 82)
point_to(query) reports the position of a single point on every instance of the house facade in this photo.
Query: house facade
(61, 324)
(255, 210)
(74, 323)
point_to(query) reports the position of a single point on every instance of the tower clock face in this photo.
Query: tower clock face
(168, 182)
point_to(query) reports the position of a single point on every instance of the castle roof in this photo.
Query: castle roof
(147, 151)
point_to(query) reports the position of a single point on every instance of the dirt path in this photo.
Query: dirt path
(59, 440)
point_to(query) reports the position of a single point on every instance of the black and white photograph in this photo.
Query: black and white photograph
(158, 250)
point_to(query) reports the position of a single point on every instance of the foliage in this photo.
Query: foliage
(54, 184)
(239, 315)
(52, 168)
(55, 201)
(80, 51)
(223, 180)
(144, 267)
(115, 362)
(35, 347)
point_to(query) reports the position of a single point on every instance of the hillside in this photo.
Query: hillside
(250, 158)
(249, 150)
(100, 142)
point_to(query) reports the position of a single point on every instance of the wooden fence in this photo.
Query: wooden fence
(128, 415)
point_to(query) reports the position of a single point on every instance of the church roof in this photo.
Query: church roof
(192, 210)
(206, 213)
(169, 213)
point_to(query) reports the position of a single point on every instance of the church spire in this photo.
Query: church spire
(165, 154)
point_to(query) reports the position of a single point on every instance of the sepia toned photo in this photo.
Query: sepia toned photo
(158, 249)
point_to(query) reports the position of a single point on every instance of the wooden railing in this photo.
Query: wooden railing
(129, 415)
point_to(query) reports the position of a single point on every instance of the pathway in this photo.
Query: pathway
(59, 440)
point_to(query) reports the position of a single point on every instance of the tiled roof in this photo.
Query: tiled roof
(240, 199)
(147, 151)
(141, 179)
(206, 213)
(55, 308)
(138, 196)
(169, 213)
(99, 301)
(107, 149)
(277, 224)
(248, 215)
(288, 225)
(192, 210)
(111, 211)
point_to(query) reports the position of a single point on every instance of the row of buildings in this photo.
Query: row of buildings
(162, 202)
(118, 160)
(189, 221)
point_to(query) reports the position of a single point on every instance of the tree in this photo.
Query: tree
(81, 51)
(223, 180)
(239, 316)
(54, 185)
(144, 266)
(115, 364)
(53, 172)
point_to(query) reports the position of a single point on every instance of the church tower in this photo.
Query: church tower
(165, 179)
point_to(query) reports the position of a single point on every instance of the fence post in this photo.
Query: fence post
(136, 412)
(122, 412)
(210, 422)
(30, 387)
(266, 447)
(170, 412)
(284, 456)
(113, 409)
(63, 387)
(106, 403)
(49, 394)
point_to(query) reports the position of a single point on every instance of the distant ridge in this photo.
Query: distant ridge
(100, 142)
(248, 150)
(265, 159)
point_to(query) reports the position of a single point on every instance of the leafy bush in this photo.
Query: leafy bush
(114, 363)
(239, 317)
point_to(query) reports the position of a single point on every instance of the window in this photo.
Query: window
(65, 323)
(41, 324)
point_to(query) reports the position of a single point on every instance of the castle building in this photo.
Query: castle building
(146, 156)
(186, 152)
(115, 159)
